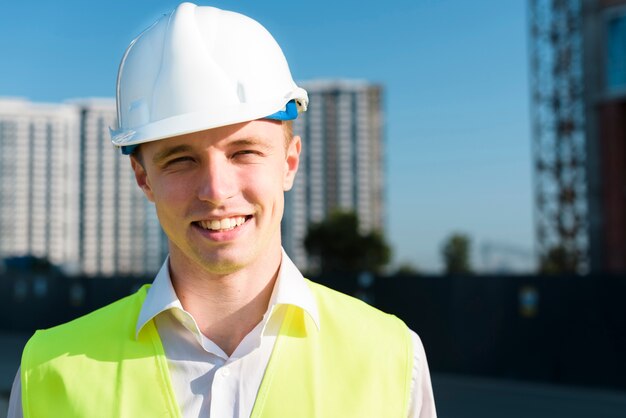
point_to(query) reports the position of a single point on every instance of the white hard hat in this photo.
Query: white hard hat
(199, 68)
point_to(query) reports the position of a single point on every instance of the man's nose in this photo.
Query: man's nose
(217, 183)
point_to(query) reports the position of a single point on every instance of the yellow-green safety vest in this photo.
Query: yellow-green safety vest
(358, 364)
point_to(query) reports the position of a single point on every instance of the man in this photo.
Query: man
(229, 328)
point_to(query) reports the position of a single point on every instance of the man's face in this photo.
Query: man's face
(219, 193)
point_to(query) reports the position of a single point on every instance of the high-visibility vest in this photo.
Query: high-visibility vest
(358, 364)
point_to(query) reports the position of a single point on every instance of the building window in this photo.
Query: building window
(616, 54)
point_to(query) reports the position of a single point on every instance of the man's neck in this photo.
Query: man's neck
(225, 307)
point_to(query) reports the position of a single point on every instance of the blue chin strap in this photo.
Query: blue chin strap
(289, 112)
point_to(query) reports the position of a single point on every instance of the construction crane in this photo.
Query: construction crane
(558, 130)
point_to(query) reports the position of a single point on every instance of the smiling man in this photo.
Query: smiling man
(229, 327)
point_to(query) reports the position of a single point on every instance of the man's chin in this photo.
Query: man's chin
(223, 263)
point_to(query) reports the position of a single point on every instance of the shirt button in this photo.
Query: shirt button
(225, 372)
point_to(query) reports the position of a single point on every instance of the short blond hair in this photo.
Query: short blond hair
(288, 131)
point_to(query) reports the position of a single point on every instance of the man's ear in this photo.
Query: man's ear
(292, 162)
(141, 177)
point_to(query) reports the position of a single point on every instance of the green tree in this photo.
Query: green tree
(559, 260)
(456, 254)
(339, 245)
(407, 269)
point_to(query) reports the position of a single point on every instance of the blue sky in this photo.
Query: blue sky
(456, 94)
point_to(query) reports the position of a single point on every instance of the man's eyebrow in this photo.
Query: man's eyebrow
(251, 142)
(167, 152)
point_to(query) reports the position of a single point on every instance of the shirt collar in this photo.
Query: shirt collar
(291, 288)
(160, 298)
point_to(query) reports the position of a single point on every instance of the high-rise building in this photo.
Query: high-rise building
(342, 160)
(66, 194)
(39, 201)
(604, 68)
(119, 230)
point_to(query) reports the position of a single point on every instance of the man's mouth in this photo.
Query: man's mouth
(225, 224)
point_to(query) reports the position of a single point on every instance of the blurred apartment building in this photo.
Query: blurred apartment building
(119, 230)
(342, 160)
(39, 203)
(578, 87)
(66, 194)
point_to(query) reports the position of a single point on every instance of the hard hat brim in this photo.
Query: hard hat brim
(288, 112)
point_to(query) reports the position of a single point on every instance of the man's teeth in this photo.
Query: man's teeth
(223, 224)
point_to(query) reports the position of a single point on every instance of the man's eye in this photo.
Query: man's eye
(246, 153)
(179, 160)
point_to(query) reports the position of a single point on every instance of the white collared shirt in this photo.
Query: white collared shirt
(206, 381)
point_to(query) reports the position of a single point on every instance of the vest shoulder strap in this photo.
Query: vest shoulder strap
(358, 364)
(94, 366)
